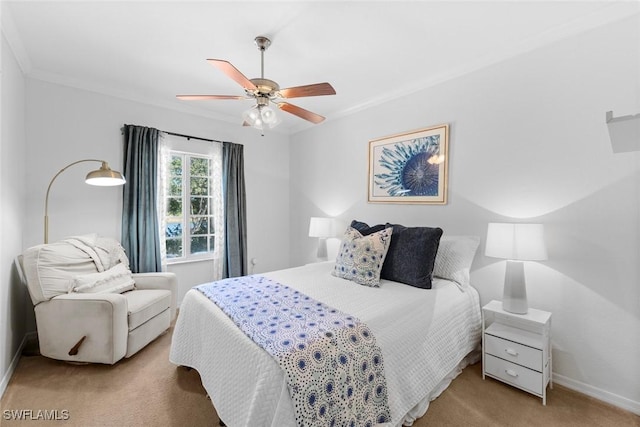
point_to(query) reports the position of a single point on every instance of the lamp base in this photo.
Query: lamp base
(514, 297)
(322, 249)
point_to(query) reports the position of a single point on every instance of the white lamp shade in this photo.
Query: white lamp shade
(321, 227)
(524, 242)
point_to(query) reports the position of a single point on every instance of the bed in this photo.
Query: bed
(427, 336)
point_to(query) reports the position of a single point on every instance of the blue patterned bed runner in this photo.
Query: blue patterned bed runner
(333, 367)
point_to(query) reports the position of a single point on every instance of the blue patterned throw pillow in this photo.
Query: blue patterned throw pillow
(361, 257)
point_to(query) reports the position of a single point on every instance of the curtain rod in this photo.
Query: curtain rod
(190, 137)
(181, 135)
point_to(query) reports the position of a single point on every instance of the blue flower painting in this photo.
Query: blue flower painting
(409, 171)
(409, 167)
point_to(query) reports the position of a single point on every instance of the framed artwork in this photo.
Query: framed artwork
(410, 167)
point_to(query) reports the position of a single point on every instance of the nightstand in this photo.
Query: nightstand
(516, 348)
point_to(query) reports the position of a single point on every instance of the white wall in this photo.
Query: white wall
(15, 307)
(528, 142)
(66, 124)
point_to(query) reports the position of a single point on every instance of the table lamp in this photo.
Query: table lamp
(515, 243)
(322, 228)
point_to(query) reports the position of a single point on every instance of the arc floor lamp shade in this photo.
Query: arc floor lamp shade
(515, 243)
(104, 177)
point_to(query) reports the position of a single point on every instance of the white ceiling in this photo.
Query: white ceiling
(370, 51)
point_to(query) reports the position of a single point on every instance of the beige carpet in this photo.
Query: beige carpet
(147, 390)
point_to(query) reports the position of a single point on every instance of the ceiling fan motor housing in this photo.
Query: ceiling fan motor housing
(266, 87)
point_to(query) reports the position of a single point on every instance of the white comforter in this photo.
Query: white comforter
(424, 336)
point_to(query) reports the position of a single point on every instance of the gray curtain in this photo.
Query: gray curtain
(233, 190)
(140, 237)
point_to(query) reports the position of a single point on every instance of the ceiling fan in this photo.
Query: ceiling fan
(265, 91)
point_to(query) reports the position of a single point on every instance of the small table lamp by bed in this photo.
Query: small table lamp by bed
(515, 243)
(322, 228)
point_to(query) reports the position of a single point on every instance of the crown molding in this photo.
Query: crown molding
(81, 84)
(114, 92)
(612, 12)
(12, 36)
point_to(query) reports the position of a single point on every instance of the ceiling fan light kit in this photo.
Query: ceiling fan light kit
(261, 116)
(265, 91)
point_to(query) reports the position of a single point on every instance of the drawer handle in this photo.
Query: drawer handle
(511, 373)
(511, 352)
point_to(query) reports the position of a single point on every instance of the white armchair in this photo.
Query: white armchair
(88, 305)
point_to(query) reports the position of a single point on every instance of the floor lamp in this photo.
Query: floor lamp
(105, 177)
(515, 243)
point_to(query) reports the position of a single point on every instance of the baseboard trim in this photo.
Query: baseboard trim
(14, 362)
(598, 393)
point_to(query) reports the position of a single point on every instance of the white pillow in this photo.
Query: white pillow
(116, 280)
(454, 258)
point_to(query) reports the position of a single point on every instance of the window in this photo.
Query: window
(189, 216)
(190, 202)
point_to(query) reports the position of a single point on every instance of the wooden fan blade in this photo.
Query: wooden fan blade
(204, 97)
(308, 90)
(300, 112)
(231, 71)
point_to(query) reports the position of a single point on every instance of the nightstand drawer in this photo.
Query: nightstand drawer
(514, 374)
(513, 352)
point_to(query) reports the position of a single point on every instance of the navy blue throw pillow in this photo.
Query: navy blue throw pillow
(411, 255)
(364, 228)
